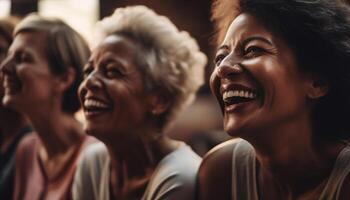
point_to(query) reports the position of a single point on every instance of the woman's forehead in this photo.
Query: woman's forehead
(244, 26)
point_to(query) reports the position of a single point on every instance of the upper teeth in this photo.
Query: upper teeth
(94, 103)
(238, 93)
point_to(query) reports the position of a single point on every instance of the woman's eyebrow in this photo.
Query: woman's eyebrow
(249, 39)
(222, 47)
(246, 41)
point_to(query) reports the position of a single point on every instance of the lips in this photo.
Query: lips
(238, 94)
(95, 106)
(11, 85)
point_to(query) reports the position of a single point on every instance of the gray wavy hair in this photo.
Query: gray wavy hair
(170, 60)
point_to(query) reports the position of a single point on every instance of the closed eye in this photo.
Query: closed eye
(218, 59)
(22, 57)
(87, 70)
(253, 52)
(113, 71)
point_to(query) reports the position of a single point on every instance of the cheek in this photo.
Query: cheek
(129, 106)
(214, 83)
(1, 86)
(81, 90)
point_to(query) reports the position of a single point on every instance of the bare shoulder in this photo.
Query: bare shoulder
(27, 143)
(345, 189)
(214, 177)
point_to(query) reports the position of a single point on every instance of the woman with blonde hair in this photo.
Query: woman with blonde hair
(42, 72)
(13, 125)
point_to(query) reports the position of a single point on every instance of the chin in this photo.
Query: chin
(236, 128)
(90, 131)
(234, 132)
(9, 102)
(95, 132)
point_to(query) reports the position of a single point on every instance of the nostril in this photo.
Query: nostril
(92, 82)
(6, 67)
(227, 70)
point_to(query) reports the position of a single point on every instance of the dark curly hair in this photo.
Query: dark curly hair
(318, 32)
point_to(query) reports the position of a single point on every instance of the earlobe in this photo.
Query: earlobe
(67, 79)
(317, 89)
(158, 102)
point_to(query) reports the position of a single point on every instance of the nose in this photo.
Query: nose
(227, 70)
(7, 66)
(91, 83)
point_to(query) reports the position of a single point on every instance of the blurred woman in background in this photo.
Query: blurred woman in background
(13, 125)
(42, 71)
(139, 77)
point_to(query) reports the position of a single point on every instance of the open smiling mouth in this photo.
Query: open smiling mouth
(94, 107)
(232, 97)
(11, 85)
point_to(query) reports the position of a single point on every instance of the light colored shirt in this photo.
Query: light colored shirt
(244, 182)
(173, 179)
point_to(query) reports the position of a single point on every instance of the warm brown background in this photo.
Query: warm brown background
(199, 124)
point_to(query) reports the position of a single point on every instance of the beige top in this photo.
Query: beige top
(244, 183)
(173, 179)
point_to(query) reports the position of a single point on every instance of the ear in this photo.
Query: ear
(317, 88)
(66, 80)
(158, 102)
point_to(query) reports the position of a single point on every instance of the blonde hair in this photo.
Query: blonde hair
(64, 47)
(172, 61)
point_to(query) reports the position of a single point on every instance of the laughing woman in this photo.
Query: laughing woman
(282, 79)
(13, 125)
(140, 76)
(42, 71)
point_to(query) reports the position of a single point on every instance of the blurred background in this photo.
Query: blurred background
(201, 124)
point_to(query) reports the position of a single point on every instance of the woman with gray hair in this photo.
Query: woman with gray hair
(141, 75)
(42, 72)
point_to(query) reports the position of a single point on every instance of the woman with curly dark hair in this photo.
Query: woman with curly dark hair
(282, 79)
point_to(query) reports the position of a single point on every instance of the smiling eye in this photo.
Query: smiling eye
(113, 72)
(87, 71)
(23, 58)
(218, 59)
(253, 51)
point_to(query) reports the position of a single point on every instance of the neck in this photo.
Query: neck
(10, 125)
(294, 160)
(58, 131)
(138, 157)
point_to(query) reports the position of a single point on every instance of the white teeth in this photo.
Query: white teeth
(94, 103)
(238, 93)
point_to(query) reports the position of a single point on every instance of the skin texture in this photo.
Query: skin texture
(121, 116)
(31, 88)
(4, 45)
(269, 68)
(112, 77)
(277, 122)
(11, 121)
(30, 82)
